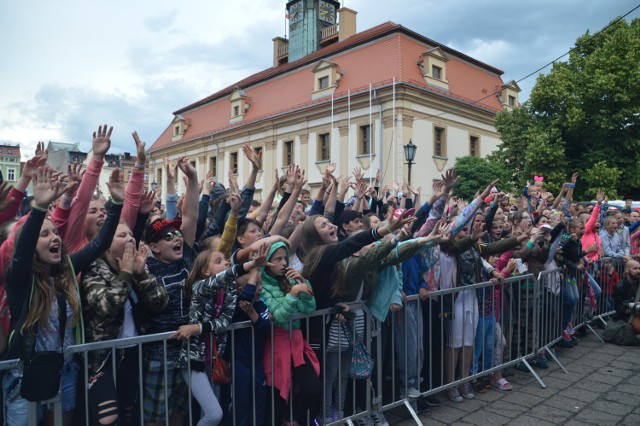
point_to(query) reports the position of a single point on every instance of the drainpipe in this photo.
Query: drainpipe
(375, 98)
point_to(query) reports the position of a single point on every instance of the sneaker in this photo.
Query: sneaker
(423, 406)
(540, 362)
(466, 391)
(564, 343)
(521, 367)
(480, 385)
(378, 419)
(574, 340)
(413, 393)
(432, 401)
(454, 395)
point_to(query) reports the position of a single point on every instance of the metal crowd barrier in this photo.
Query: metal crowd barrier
(418, 351)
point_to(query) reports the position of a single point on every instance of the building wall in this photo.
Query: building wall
(415, 118)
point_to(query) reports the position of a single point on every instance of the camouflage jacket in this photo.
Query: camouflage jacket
(213, 319)
(104, 294)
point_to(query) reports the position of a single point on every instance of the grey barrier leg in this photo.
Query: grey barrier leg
(33, 414)
(412, 412)
(594, 332)
(555, 359)
(349, 422)
(534, 373)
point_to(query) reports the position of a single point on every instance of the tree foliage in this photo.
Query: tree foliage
(582, 116)
(476, 173)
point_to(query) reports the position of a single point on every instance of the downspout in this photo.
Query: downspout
(380, 151)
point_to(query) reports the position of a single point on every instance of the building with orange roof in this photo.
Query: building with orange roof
(10, 167)
(354, 99)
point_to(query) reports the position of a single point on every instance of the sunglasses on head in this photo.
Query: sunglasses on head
(169, 236)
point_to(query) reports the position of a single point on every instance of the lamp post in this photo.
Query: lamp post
(409, 155)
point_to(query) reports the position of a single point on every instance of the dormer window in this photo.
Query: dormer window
(509, 95)
(180, 126)
(327, 77)
(433, 64)
(240, 104)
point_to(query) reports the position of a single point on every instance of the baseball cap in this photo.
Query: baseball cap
(158, 227)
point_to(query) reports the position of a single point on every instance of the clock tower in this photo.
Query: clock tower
(307, 18)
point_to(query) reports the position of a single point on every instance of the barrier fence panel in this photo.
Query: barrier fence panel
(443, 343)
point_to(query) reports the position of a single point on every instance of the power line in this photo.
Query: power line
(542, 67)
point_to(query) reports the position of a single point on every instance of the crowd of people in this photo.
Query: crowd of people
(79, 270)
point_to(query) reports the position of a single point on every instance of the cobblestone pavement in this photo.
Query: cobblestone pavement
(602, 387)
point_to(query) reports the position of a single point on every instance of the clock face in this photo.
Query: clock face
(295, 12)
(327, 12)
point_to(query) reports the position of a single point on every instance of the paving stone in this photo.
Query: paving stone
(528, 421)
(491, 395)
(447, 415)
(578, 423)
(506, 409)
(590, 385)
(562, 402)
(523, 399)
(611, 407)
(580, 395)
(598, 417)
(605, 378)
(558, 382)
(539, 391)
(470, 405)
(627, 388)
(622, 365)
(630, 420)
(623, 398)
(484, 417)
(551, 414)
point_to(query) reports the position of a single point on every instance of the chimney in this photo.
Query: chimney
(347, 23)
(280, 51)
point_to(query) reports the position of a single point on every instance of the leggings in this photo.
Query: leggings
(307, 395)
(203, 393)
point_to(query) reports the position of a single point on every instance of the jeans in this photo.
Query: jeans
(335, 383)
(16, 408)
(484, 343)
(203, 393)
(570, 296)
(408, 348)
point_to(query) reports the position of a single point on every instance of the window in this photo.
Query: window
(213, 166)
(236, 110)
(159, 177)
(474, 146)
(176, 130)
(324, 147)
(9, 151)
(323, 82)
(233, 157)
(512, 102)
(287, 153)
(258, 150)
(439, 142)
(364, 139)
(11, 174)
(436, 72)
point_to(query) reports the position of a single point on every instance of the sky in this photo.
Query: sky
(71, 65)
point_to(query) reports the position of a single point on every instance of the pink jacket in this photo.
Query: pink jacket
(132, 196)
(590, 236)
(76, 239)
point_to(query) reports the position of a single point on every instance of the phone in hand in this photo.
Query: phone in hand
(408, 213)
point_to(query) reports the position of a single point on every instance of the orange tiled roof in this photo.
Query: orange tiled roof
(288, 87)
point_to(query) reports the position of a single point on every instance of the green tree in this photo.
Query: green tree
(476, 173)
(582, 116)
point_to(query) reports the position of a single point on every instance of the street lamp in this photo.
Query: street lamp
(409, 155)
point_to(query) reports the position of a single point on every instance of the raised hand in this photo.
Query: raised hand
(32, 164)
(75, 175)
(116, 186)
(395, 224)
(478, 231)
(235, 202)
(291, 175)
(600, 197)
(259, 257)
(40, 150)
(210, 183)
(141, 156)
(187, 168)
(299, 178)
(253, 156)
(147, 201)
(360, 189)
(5, 202)
(357, 174)
(233, 182)
(170, 168)
(101, 142)
(574, 177)
(46, 189)
(378, 177)
(140, 258)
(331, 168)
(127, 262)
(301, 288)
(450, 179)
(396, 188)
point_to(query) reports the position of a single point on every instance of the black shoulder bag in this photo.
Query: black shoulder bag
(42, 371)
